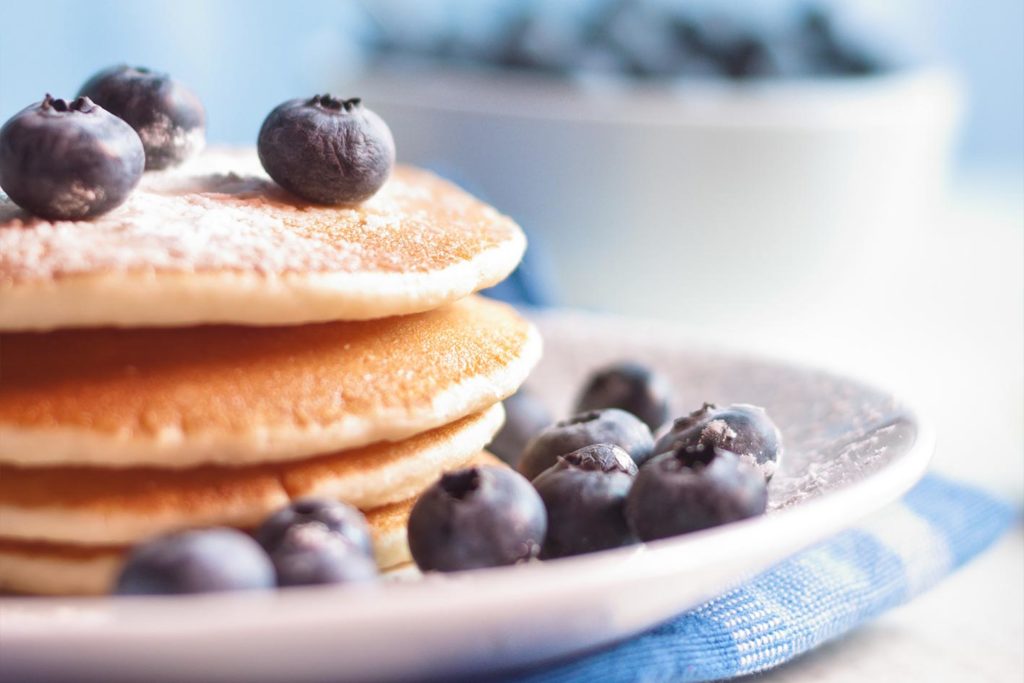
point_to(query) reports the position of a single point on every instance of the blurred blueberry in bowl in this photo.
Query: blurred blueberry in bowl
(635, 39)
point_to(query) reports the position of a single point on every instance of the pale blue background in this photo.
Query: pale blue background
(245, 56)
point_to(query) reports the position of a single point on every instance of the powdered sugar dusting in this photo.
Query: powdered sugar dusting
(222, 213)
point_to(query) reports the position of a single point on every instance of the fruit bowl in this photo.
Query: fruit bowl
(772, 190)
(851, 449)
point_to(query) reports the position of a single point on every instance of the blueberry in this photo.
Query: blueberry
(747, 57)
(689, 34)
(612, 426)
(640, 33)
(202, 561)
(167, 116)
(688, 489)
(311, 553)
(327, 150)
(476, 517)
(68, 161)
(585, 494)
(723, 43)
(631, 387)
(342, 519)
(528, 42)
(525, 416)
(830, 51)
(745, 430)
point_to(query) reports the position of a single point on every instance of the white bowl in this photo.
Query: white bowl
(792, 191)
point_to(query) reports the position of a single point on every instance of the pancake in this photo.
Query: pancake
(102, 506)
(57, 569)
(218, 241)
(179, 398)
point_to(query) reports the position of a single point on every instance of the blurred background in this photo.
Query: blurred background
(836, 182)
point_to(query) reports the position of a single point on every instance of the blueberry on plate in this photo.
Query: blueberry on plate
(486, 516)
(167, 116)
(743, 429)
(686, 490)
(326, 150)
(611, 426)
(628, 386)
(337, 517)
(310, 553)
(201, 561)
(585, 495)
(68, 161)
(525, 417)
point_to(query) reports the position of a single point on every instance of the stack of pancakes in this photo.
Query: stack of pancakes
(214, 349)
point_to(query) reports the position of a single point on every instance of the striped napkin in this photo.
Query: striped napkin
(811, 598)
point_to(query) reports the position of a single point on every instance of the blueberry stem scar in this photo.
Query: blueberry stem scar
(82, 104)
(328, 101)
(458, 485)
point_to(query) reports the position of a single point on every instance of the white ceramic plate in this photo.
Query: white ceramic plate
(851, 449)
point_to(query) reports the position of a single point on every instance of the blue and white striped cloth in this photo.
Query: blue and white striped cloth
(810, 598)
